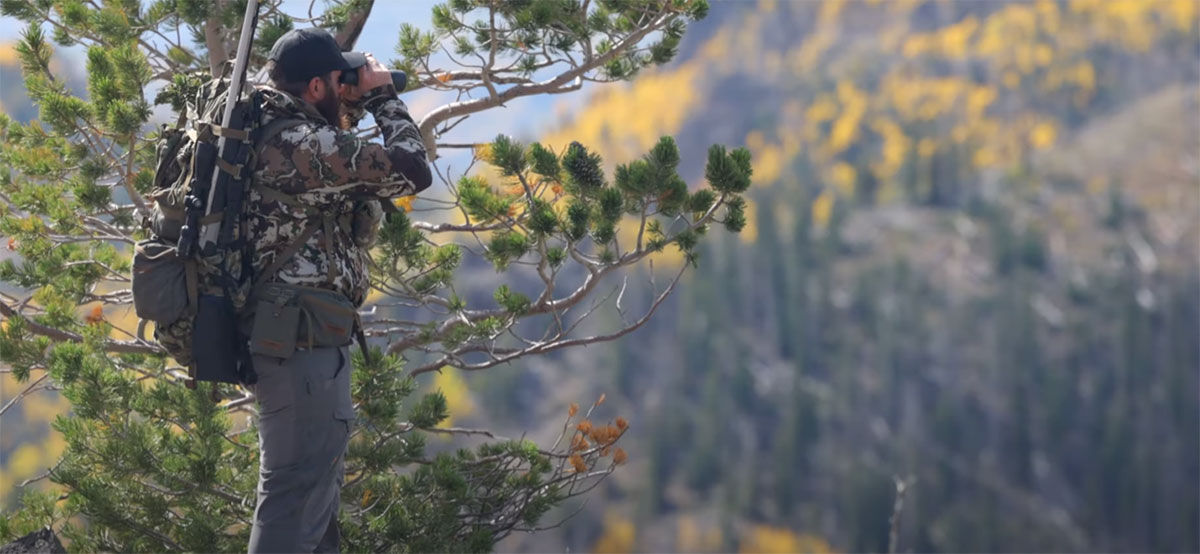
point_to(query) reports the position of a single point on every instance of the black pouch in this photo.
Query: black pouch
(217, 350)
(160, 282)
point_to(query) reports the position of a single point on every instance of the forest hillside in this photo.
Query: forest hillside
(971, 266)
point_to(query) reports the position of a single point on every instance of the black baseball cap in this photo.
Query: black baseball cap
(306, 53)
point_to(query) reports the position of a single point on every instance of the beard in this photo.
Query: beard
(330, 107)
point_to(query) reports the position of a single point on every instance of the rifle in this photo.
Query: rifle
(230, 145)
(212, 212)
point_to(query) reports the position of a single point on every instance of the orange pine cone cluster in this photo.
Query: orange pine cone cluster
(96, 315)
(579, 443)
(578, 463)
(604, 435)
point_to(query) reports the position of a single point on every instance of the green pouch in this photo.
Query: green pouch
(330, 319)
(276, 322)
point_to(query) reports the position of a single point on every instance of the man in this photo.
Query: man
(316, 194)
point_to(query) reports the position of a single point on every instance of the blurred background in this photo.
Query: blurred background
(972, 267)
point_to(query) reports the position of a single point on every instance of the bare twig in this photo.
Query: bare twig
(897, 509)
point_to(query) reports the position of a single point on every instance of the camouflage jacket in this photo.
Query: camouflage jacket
(331, 175)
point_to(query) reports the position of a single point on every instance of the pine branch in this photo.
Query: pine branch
(347, 36)
(23, 394)
(115, 346)
(555, 85)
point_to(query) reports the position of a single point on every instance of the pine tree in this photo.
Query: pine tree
(154, 466)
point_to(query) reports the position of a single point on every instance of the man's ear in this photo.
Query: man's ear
(316, 88)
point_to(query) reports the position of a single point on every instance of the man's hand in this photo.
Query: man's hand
(370, 76)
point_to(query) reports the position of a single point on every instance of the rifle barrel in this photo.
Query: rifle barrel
(208, 232)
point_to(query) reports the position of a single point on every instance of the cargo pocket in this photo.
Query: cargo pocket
(343, 404)
(278, 421)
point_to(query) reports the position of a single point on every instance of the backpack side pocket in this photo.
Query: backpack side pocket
(160, 285)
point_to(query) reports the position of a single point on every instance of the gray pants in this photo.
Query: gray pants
(305, 414)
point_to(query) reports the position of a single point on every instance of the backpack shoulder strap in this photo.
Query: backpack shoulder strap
(271, 130)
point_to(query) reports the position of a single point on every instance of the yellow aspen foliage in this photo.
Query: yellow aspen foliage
(845, 130)
(768, 163)
(770, 540)
(717, 48)
(805, 59)
(458, 398)
(44, 406)
(822, 109)
(978, 100)
(1043, 55)
(622, 122)
(954, 39)
(1012, 79)
(960, 133)
(619, 535)
(1182, 13)
(24, 461)
(822, 208)
(695, 537)
(894, 149)
(749, 233)
(926, 147)
(830, 10)
(844, 176)
(755, 141)
(1085, 78)
(984, 157)
(1048, 15)
(917, 45)
(1043, 135)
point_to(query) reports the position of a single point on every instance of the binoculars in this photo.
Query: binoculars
(399, 78)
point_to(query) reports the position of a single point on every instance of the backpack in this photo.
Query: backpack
(168, 288)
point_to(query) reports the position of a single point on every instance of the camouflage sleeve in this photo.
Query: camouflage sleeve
(341, 164)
